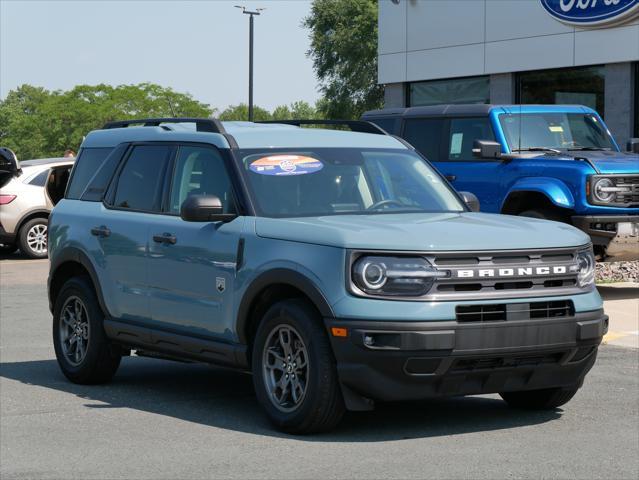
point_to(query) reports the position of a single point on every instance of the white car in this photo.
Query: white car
(28, 192)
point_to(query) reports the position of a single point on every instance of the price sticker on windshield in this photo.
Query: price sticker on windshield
(286, 165)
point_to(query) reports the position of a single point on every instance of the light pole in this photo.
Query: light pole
(251, 14)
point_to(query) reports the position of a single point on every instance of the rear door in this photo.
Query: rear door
(122, 229)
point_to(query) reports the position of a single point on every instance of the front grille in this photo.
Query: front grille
(514, 311)
(511, 273)
(630, 198)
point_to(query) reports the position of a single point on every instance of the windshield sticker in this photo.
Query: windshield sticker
(556, 129)
(456, 143)
(284, 165)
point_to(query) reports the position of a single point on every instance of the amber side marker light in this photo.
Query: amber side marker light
(339, 332)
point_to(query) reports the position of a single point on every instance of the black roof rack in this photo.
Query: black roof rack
(201, 124)
(361, 126)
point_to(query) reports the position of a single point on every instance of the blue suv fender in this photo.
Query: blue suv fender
(555, 190)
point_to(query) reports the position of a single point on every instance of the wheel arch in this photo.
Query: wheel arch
(67, 264)
(40, 213)
(521, 195)
(270, 287)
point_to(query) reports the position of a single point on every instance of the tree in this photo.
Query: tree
(344, 53)
(37, 123)
(240, 112)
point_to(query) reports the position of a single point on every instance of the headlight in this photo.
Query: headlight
(586, 266)
(602, 190)
(394, 276)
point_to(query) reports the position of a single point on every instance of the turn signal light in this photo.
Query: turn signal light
(339, 332)
(5, 199)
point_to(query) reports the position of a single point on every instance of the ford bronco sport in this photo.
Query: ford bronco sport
(337, 266)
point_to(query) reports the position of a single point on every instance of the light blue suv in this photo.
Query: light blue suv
(337, 266)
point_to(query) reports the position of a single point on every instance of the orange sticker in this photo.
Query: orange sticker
(282, 165)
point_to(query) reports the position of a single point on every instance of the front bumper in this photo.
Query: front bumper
(605, 229)
(391, 361)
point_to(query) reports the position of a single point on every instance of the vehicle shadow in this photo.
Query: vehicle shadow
(626, 292)
(225, 399)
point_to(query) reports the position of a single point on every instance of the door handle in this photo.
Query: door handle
(451, 178)
(100, 231)
(165, 238)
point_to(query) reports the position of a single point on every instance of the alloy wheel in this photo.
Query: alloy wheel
(74, 330)
(285, 368)
(37, 238)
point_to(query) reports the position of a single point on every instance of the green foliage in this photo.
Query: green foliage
(295, 110)
(240, 112)
(344, 53)
(37, 123)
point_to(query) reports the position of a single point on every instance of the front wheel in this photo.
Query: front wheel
(33, 238)
(294, 372)
(546, 399)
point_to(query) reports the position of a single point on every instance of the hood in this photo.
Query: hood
(611, 162)
(423, 231)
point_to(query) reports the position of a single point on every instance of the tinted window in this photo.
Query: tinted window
(463, 132)
(40, 179)
(456, 90)
(200, 171)
(425, 135)
(85, 167)
(140, 182)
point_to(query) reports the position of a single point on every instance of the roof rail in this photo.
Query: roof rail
(201, 124)
(361, 126)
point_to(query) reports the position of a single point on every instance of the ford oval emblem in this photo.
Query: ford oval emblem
(586, 13)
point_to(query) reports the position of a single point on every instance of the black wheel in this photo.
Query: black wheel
(83, 351)
(7, 248)
(33, 238)
(544, 214)
(294, 371)
(540, 399)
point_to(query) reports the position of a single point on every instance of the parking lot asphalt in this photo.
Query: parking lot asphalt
(161, 419)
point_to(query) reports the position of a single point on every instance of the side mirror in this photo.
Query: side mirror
(204, 208)
(486, 149)
(633, 145)
(471, 201)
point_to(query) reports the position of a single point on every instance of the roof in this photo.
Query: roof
(47, 161)
(470, 109)
(246, 134)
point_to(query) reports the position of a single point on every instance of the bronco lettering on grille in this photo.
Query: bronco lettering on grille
(512, 272)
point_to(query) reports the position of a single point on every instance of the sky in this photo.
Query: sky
(193, 46)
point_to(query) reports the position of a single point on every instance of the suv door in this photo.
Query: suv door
(192, 265)
(466, 172)
(122, 229)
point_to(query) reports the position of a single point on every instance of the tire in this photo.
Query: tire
(100, 359)
(547, 399)
(544, 214)
(32, 238)
(319, 405)
(7, 248)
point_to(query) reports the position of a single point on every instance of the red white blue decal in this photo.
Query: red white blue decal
(284, 165)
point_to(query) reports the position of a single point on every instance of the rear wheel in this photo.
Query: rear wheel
(33, 238)
(546, 399)
(83, 351)
(294, 372)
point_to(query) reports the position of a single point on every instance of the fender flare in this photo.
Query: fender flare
(38, 212)
(556, 191)
(72, 254)
(278, 276)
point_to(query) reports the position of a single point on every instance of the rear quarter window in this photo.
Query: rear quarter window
(88, 163)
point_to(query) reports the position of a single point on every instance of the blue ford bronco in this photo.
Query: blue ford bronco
(556, 162)
(337, 266)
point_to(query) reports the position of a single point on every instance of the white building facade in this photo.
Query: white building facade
(514, 51)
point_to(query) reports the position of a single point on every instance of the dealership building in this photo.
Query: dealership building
(514, 51)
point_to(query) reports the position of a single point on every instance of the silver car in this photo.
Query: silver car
(27, 196)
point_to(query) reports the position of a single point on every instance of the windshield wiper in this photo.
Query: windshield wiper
(588, 149)
(538, 149)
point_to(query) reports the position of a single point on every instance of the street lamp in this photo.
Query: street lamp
(251, 14)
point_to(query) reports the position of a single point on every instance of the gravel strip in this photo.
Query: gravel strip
(617, 271)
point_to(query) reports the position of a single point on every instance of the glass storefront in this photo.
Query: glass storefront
(637, 100)
(457, 90)
(582, 86)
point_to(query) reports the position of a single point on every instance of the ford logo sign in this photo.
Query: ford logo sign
(586, 13)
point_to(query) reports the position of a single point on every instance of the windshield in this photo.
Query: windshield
(334, 181)
(559, 131)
